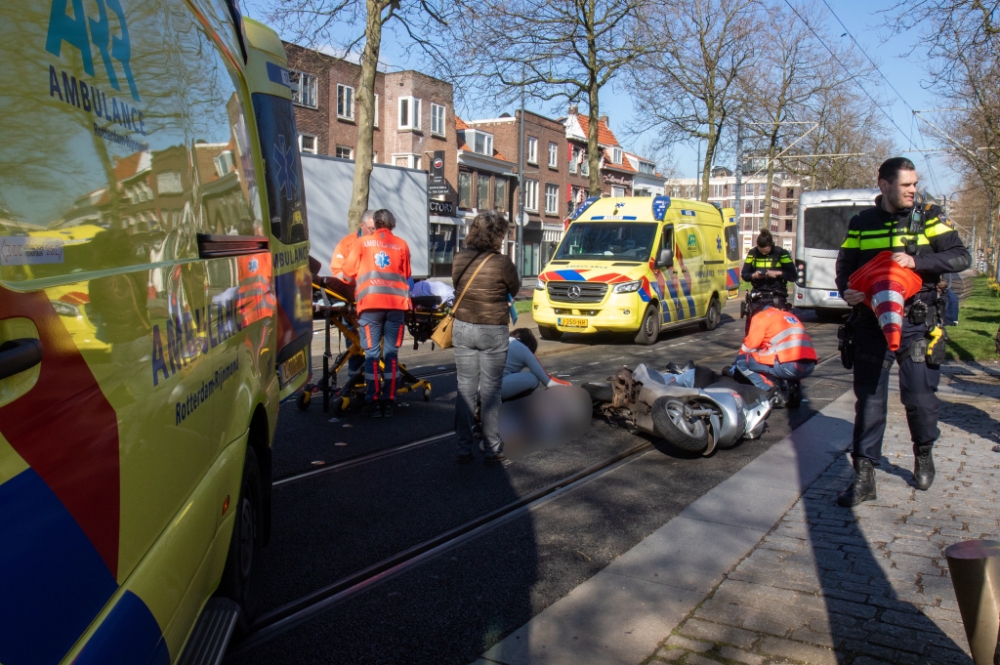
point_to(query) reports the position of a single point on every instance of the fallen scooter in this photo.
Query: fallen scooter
(717, 413)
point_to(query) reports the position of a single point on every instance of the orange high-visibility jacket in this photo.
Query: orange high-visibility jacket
(775, 333)
(340, 254)
(380, 263)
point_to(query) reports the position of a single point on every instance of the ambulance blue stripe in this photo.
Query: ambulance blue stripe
(129, 635)
(571, 275)
(677, 302)
(54, 581)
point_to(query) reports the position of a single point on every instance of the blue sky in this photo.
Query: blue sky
(863, 21)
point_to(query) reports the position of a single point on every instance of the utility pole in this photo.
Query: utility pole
(739, 173)
(519, 230)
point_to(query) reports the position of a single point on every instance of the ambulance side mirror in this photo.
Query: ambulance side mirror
(666, 259)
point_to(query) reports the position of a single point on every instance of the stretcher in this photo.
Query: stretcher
(333, 302)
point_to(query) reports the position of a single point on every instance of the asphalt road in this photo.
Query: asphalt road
(451, 608)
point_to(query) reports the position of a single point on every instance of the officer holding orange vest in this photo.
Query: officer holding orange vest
(379, 264)
(777, 347)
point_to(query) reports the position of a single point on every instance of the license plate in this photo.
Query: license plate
(292, 367)
(572, 323)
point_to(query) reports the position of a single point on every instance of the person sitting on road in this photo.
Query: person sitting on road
(520, 357)
(777, 347)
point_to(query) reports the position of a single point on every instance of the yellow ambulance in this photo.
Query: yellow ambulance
(151, 202)
(637, 265)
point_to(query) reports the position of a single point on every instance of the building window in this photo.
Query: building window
(345, 102)
(303, 88)
(437, 120)
(407, 161)
(584, 165)
(500, 193)
(575, 157)
(647, 168)
(616, 155)
(482, 143)
(307, 143)
(787, 244)
(409, 113)
(345, 152)
(748, 189)
(482, 191)
(532, 150)
(531, 194)
(788, 226)
(641, 191)
(552, 199)
(553, 155)
(169, 182)
(464, 189)
(617, 191)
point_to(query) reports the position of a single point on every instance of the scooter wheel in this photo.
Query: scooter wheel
(670, 422)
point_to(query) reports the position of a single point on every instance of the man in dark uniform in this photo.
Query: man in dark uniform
(768, 269)
(928, 244)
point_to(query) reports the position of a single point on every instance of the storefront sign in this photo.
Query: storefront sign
(442, 208)
(437, 185)
(617, 179)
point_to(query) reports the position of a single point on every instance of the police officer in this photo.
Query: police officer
(768, 269)
(927, 243)
(380, 266)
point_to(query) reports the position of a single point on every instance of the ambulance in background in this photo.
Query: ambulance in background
(635, 265)
(734, 256)
(823, 220)
(143, 340)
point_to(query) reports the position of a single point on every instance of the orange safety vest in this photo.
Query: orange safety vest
(380, 263)
(340, 254)
(775, 333)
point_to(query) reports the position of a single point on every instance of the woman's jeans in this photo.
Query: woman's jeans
(761, 375)
(480, 354)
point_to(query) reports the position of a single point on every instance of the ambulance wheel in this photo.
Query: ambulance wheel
(240, 574)
(650, 328)
(549, 333)
(303, 400)
(712, 316)
(670, 422)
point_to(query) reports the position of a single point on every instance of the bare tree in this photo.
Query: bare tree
(688, 85)
(551, 49)
(314, 22)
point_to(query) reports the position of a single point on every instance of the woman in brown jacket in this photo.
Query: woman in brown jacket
(481, 331)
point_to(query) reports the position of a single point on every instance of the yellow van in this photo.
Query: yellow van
(637, 265)
(140, 364)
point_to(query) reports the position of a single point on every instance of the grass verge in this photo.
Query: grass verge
(522, 306)
(979, 316)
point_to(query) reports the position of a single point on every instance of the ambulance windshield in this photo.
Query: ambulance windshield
(627, 241)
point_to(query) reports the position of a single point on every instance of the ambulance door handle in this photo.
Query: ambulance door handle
(18, 355)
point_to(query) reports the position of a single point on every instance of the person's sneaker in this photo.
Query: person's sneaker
(387, 405)
(468, 458)
(494, 460)
(371, 410)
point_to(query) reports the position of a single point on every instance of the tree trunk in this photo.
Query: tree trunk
(706, 168)
(365, 114)
(593, 147)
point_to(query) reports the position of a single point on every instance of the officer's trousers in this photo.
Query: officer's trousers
(918, 385)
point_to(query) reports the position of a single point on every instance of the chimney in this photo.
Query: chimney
(604, 119)
(574, 109)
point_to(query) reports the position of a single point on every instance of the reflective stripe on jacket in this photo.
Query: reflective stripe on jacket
(380, 263)
(340, 254)
(775, 333)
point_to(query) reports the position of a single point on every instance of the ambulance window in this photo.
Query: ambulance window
(286, 200)
(733, 243)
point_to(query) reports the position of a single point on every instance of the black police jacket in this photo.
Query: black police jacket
(936, 250)
(778, 259)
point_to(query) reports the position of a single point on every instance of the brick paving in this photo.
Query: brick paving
(829, 585)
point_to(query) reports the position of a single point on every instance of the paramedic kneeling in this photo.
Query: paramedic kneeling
(380, 266)
(777, 347)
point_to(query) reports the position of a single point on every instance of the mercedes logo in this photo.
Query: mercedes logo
(574, 292)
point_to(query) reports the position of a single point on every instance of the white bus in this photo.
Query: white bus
(823, 220)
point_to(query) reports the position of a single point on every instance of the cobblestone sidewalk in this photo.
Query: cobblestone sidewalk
(829, 585)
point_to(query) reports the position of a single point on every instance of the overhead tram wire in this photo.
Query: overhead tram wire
(885, 78)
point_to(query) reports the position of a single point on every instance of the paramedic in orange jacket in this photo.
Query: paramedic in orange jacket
(379, 264)
(343, 284)
(777, 347)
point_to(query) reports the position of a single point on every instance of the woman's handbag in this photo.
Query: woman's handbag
(442, 331)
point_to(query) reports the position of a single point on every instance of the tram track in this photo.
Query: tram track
(273, 623)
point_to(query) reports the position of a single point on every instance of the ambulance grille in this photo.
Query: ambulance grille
(589, 291)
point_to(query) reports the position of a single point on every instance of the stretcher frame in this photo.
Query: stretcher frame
(339, 313)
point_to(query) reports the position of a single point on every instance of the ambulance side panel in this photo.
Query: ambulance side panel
(128, 152)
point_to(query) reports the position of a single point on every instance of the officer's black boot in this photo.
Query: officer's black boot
(923, 467)
(863, 487)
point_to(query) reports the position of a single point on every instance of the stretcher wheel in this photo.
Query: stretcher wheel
(340, 405)
(427, 394)
(304, 399)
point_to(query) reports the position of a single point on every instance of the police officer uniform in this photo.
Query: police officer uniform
(774, 289)
(936, 249)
